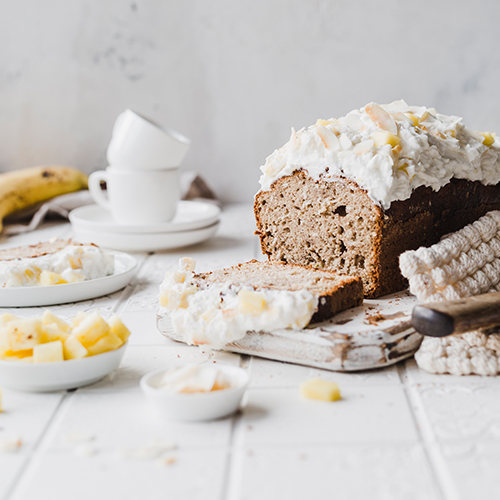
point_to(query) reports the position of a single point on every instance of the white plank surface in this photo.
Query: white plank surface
(397, 433)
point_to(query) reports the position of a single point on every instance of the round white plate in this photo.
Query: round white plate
(144, 242)
(31, 296)
(190, 215)
(59, 375)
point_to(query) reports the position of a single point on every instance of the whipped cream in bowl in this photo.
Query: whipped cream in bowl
(195, 392)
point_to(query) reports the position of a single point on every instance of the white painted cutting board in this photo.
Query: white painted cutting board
(375, 334)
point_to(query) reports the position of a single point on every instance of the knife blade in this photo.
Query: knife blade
(440, 319)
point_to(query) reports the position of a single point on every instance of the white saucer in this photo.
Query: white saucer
(190, 215)
(144, 242)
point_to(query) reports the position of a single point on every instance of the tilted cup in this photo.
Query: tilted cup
(137, 197)
(139, 143)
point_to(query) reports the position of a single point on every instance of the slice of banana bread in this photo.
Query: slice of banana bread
(335, 292)
(219, 307)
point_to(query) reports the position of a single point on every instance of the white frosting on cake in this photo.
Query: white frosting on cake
(223, 313)
(389, 150)
(72, 264)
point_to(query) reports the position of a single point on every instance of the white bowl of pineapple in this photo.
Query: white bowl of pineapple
(49, 354)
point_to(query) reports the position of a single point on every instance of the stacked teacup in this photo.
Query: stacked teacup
(142, 180)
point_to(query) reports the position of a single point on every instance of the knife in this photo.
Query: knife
(440, 319)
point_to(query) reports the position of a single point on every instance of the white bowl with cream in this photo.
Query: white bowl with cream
(196, 406)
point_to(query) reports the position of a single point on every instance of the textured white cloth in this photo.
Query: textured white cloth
(462, 264)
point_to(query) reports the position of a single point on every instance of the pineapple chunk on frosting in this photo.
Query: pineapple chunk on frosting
(223, 312)
(389, 150)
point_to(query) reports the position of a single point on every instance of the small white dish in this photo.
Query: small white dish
(197, 406)
(33, 296)
(144, 242)
(190, 215)
(59, 375)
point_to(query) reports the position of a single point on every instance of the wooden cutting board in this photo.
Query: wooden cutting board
(373, 335)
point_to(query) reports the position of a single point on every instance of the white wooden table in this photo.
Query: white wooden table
(398, 433)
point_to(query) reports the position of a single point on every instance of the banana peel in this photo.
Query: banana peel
(22, 188)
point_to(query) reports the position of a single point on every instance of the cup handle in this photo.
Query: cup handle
(95, 190)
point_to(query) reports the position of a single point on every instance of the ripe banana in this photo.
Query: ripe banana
(21, 188)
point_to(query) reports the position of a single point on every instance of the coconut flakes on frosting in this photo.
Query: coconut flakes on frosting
(389, 150)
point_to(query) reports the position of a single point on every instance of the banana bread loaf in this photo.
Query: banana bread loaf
(351, 195)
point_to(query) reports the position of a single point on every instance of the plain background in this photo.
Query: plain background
(234, 76)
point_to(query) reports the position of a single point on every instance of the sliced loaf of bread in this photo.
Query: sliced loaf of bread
(221, 306)
(335, 292)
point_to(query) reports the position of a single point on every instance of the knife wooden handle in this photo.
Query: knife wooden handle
(440, 319)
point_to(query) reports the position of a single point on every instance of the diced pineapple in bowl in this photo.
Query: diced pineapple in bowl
(49, 354)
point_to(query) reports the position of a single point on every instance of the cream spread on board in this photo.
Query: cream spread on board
(223, 312)
(389, 150)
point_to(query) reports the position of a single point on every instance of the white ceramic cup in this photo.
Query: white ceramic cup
(139, 143)
(137, 197)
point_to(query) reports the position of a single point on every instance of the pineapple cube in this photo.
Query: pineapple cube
(48, 278)
(73, 348)
(320, 389)
(179, 276)
(52, 333)
(75, 263)
(489, 138)
(187, 264)
(45, 353)
(17, 355)
(118, 328)
(4, 341)
(32, 275)
(24, 333)
(320, 121)
(382, 137)
(109, 342)
(26, 359)
(80, 316)
(170, 299)
(412, 117)
(6, 318)
(250, 302)
(190, 290)
(91, 329)
(49, 317)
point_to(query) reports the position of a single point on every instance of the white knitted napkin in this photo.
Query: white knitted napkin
(462, 264)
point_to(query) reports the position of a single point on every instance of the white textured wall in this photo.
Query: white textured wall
(234, 76)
